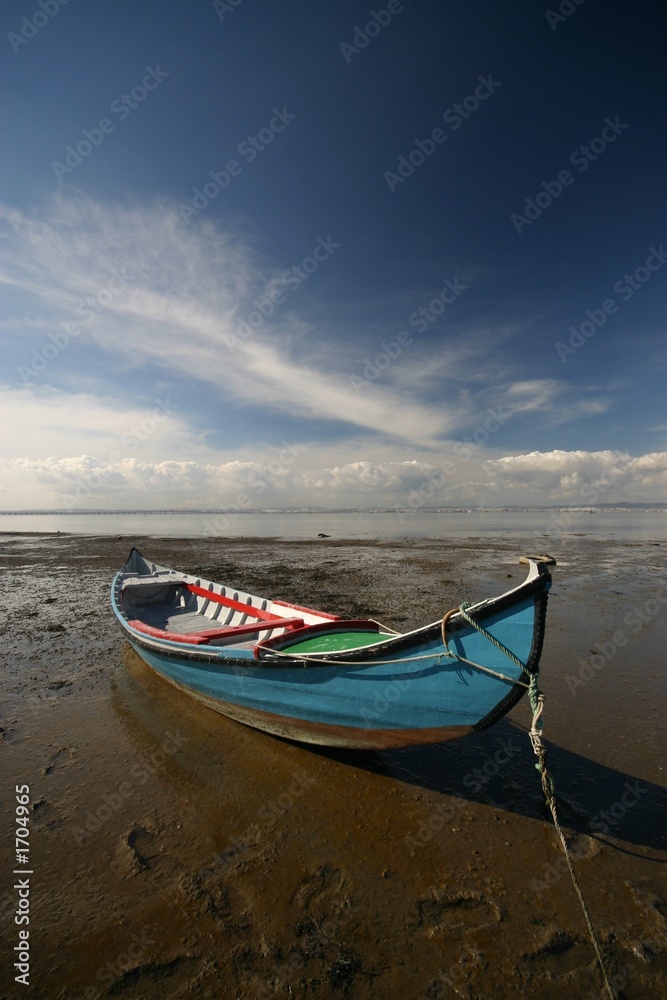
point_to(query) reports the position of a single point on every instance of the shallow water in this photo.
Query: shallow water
(419, 523)
(176, 853)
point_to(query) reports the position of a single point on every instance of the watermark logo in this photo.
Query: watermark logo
(454, 116)
(122, 107)
(258, 482)
(625, 288)
(606, 650)
(249, 149)
(89, 308)
(22, 885)
(475, 781)
(293, 278)
(565, 9)
(112, 801)
(267, 816)
(90, 482)
(223, 7)
(31, 26)
(379, 20)
(581, 158)
(420, 319)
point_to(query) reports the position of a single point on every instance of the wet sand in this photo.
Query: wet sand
(175, 853)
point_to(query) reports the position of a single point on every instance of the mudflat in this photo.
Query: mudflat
(175, 853)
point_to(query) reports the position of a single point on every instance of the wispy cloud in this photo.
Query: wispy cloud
(127, 304)
(180, 293)
(42, 422)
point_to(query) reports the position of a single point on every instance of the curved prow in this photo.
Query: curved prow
(135, 563)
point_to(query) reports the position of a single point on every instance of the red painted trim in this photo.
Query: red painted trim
(310, 611)
(229, 602)
(203, 637)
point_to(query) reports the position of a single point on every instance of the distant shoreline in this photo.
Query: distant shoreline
(460, 509)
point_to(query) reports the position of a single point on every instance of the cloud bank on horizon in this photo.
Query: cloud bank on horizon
(251, 316)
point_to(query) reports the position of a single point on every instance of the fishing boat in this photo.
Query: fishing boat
(318, 678)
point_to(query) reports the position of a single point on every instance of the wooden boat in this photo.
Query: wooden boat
(312, 676)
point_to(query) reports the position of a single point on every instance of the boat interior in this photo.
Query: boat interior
(184, 611)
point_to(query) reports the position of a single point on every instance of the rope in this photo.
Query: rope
(491, 638)
(447, 652)
(487, 635)
(536, 698)
(488, 670)
(324, 659)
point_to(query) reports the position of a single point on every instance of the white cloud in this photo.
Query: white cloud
(550, 398)
(40, 421)
(308, 473)
(147, 292)
(147, 288)
(364, 478)
(583, 476)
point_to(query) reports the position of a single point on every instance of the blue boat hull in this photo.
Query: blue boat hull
(401, 690)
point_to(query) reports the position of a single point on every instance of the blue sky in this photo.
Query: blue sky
(331, 254)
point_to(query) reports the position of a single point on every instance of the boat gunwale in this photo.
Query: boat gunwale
(537, 582)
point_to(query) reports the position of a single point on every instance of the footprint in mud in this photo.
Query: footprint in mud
(652, 924)
(653, 907)
(206, 896)
(137, 980)
(317, 888)
(457, 913)
(138, 850)
(61, 759)
(57, 684)
(45, 816)
(40, 808)
(323, 909)
(555, 951)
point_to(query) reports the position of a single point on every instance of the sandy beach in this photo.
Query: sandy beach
(175, 853)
